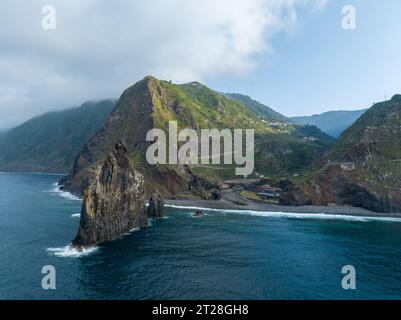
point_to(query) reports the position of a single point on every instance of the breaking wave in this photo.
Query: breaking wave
(71, 252)
(290, 215)
(67, 195)
(76, 215)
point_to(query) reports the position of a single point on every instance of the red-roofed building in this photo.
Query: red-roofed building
(268, 191)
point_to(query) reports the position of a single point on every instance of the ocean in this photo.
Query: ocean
(226, 254)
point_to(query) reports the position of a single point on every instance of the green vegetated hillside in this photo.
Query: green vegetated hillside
(281, 147)
(333, 122)
(50, 143)
(363, 168)
(260, 109)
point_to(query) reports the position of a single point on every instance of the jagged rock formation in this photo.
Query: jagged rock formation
(156, 206)
(114, 202)
(202, 187)
(364, 167)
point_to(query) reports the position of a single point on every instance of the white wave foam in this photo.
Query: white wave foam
(70, 251)
(62, 193)
(290, 215)
(76, 215)
(130, 232)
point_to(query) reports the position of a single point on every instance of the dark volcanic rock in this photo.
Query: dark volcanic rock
(130, 121)
(156, 206)
(294, 196)
(197, 214)
(202, 187)
(114, 202)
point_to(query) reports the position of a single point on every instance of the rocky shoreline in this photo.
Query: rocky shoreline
(226, 204)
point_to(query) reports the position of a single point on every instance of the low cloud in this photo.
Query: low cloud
(100, 47)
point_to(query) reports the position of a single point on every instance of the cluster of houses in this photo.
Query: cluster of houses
(258, 186)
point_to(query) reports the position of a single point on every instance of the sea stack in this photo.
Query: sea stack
(114, 202)
(156, 206)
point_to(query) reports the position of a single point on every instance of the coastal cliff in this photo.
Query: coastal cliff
(115, 201)
(364, 167)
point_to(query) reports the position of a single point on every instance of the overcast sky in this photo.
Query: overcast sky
(292, 55)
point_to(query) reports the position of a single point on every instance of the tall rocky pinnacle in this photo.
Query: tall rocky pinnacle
(156, 206)
(114, 203)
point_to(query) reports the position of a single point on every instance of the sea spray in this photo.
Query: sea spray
(71, 252)
(56, 189)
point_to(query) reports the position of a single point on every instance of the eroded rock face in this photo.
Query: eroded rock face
(156, 206)
(203, 187)
(114, 202)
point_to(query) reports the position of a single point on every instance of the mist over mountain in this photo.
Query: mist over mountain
(50, 142)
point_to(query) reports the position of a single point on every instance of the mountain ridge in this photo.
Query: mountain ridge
(152, 103)
(50, 142)
(331, 122)
(257, 107)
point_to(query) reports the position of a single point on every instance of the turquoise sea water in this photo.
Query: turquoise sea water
(223, 255)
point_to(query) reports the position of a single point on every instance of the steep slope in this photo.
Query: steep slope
(50, 143)
(281, 148)
(258, 108)
(364, 167)
(333, 122)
